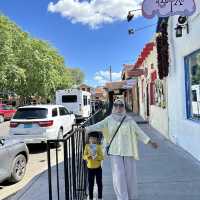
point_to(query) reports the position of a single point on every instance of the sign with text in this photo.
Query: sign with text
(128, 84)
(166, 8)
(135, 73)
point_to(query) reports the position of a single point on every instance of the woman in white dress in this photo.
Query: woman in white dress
(123, 150)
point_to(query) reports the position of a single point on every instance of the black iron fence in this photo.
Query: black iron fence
(67, 174)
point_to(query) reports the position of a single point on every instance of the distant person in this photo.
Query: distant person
(110, 103)
(48, 101)
(93, 155)
(123, 136)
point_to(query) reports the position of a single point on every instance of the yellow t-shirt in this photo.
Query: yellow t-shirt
(96, 163)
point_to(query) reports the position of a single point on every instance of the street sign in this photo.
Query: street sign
(166, 8)
(128, 84)
(135, 73)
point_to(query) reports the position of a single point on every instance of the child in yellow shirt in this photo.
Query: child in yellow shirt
(93, 155)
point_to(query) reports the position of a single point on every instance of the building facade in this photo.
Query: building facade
(152, 90)
(184, 82)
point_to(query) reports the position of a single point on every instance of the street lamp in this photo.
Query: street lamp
(131, 31)
(182, 23)
(179, 31)
(131, 15)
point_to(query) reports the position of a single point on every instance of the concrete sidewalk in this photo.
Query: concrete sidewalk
(168, 173)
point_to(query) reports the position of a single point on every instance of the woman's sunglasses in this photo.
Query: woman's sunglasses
(121, 105)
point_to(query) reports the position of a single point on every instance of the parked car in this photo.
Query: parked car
(14, 156)
(6, 112)
(38, 123)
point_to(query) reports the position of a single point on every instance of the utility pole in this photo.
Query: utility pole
(110, 73)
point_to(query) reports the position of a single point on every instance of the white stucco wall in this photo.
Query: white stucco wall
(182, 131)
(159, 119)
(142, 103)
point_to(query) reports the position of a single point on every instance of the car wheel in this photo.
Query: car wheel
(1, 118)
(18, 168)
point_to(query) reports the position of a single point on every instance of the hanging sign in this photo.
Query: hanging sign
(135, 73)
(166, 8)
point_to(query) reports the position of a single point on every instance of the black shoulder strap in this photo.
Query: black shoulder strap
(108, 147)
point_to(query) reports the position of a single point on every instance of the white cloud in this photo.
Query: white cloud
(104, 76)
(94, 12)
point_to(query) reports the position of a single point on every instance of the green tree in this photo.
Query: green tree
(31, 67)
(71, 77)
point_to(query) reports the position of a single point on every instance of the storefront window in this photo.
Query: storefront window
(192, 63)
(160, 93)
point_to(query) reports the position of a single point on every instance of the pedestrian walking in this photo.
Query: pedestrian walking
(123, 135)
(93, 155)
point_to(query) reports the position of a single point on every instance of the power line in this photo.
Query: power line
(132, 31)
(135, 10)
(145, 27)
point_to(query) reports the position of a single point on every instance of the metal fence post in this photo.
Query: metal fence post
(66, 171)
(73, 166)
(49, 169)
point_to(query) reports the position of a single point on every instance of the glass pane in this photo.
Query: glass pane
(66, 111)
(84, 100)
(194, 64)
(31, 113)
(54, 112)
(69, 98)
(6, 107)
(63, 111)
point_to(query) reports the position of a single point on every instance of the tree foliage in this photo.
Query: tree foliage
(31, 67)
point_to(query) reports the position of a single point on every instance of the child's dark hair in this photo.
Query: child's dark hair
(96, 134)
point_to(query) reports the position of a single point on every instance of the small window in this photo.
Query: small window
(54, 112)
(84, 100)
(192, 66)
(63, 111)
(69, 98)
(194, 95)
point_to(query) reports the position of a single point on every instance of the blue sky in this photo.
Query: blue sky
(89, 35)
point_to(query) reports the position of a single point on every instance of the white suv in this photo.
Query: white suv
(38, 123)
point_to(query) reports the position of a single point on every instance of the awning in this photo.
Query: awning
(114, 85)
(117, 85)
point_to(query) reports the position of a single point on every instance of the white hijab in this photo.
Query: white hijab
(118, 116)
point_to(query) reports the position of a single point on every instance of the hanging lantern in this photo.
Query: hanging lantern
(179, 31)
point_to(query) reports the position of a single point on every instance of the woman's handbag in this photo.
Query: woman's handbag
(108, 146)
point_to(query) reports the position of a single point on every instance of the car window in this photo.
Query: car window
(31, 113)
(63, 111)
(54, 112)
(10, 107)
(5, 107)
